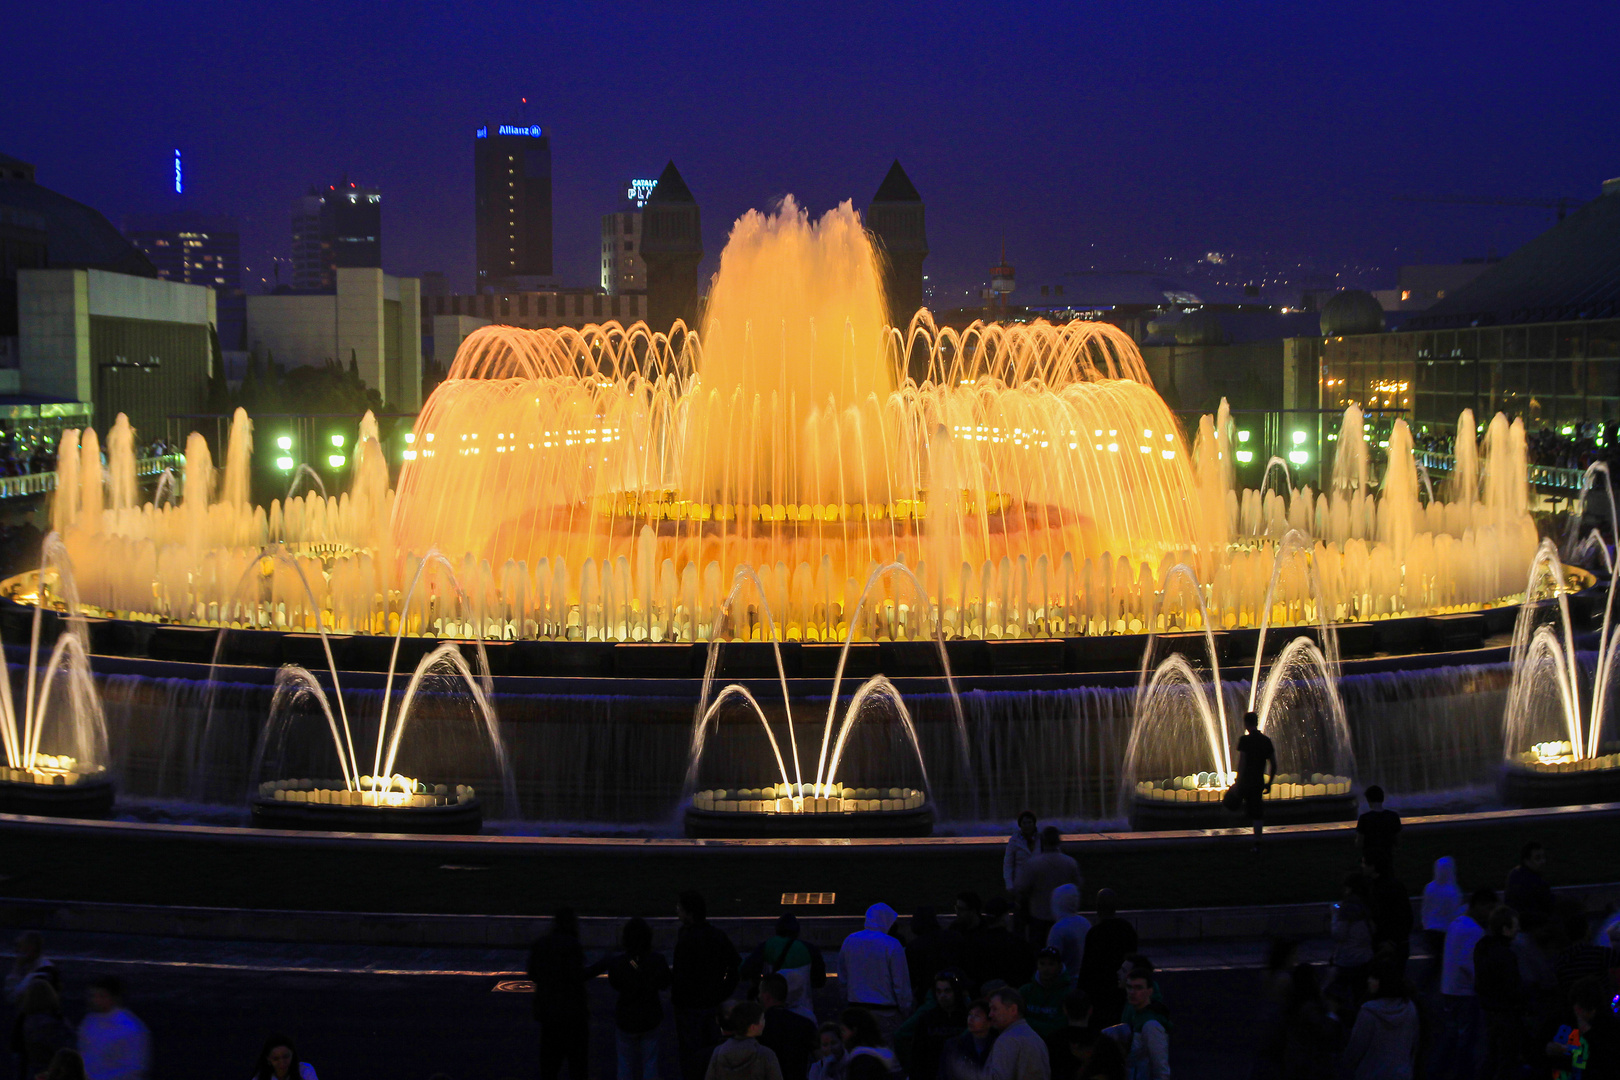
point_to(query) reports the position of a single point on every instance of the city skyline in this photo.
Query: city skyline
(1266, 131)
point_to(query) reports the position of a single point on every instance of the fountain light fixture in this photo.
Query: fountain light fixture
(337, 440)
(1298, 457)
(336, 460)
(1243, 436)
(284, 442)
(284, 463)
(1299, 438)
(1244, 456)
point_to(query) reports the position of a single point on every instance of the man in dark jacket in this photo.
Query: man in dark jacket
(1527, 891)
(557, 969)
(1500, 993)
(965, 933)
(931, 950)
(790, 1036)
(705, 975)
(1005, 955)
(1390, 905)
(1109, 941)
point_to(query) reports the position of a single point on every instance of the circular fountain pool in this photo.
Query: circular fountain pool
(395, 805)
(809, 810)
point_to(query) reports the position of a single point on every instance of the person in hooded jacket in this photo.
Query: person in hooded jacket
(1068, 933)
(798, 961)
(741, 1057)
(872, 969)
(866, 1054)
(920, 1041)
(1384, 1041)
(1442, 902)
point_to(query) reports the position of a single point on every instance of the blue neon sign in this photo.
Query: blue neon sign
(508, 129)
(179, 185)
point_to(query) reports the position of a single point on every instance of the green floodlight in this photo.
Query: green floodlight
(1298, 457)
(284, 442)
(1243, 436)
(1299, 438)
(1245, 456)
(337, 440)
(336, 460)
(284, 463)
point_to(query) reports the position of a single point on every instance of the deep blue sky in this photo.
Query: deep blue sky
(1148, 130)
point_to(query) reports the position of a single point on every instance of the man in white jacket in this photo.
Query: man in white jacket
(872, 970)
(1020, 846)
(114, 1042)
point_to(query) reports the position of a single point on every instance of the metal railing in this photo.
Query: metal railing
(43, 483)
(1544, 477)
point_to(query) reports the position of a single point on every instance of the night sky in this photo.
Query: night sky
(1090, 135)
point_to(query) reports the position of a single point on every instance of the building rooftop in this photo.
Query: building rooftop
(1571, 271)
(77, 236)
(897, 186)
(670, 187)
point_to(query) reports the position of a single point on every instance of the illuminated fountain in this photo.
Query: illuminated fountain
(1181, 761)
(382, 800)
(56, 749)
(824, 805)
(1560, 745)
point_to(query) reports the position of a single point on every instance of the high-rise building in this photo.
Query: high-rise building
(672, 248)
(194, 249)
(512, 193)
(895, 218)
(340, 225)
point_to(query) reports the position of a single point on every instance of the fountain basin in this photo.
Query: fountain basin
(843, 812)
(1196, 802)
(1531, 781)
(330, 806)
(56, 792)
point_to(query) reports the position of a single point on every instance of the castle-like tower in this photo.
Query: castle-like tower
(672, 247)
(895, 220)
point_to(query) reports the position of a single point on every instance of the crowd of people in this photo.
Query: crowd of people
(1516, 983)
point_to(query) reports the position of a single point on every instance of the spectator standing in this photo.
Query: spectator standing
(1108, 943)
(1256, 765)
(787, 1034)
(638, 975)
(66, 1065)
(279, 1060)
(1384, 1042)
(557, 969)
(1500, 994)
(799, 962)
(741, 1057)
(1390, 905)
(967, 938)
(114, 1043)
(1144, 1025)
(1040, 875)
(1352, 930)
(965, 1057)
(1579, 957)
(40, 1027)
(1527, 891)
(1077, 1051)
(872, 968)
(1044, 995)
(1378, 830)
(30, 963)
(920, 1041)
(1456, 1051)
(704, 975)
(1020, 848)
(866, 1054)
(1068, 933)
(1442, 902)
(829, 1063)
(1019, 1052)
(931, 950)
(1006, 955)
(1312, 1034)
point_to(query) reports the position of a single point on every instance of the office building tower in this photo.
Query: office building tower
(512, 194)
(895, 219)
(623, 269)
(339, 225)
(194, 249)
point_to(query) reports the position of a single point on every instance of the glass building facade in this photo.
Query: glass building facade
(1554, 375)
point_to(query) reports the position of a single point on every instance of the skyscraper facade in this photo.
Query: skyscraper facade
(339, 225)
(512, 192)
(194, 249)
